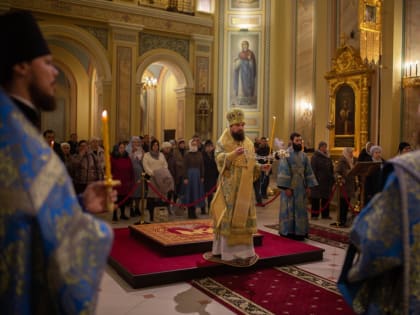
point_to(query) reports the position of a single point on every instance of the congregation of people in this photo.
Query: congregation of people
(185, 175)
(178, 174)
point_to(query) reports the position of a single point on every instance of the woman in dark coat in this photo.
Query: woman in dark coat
(211, 172)
(122, 170)
(193, 179)
(323, 168)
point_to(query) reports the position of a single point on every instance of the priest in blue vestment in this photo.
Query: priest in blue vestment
(295, 178)
(381, 273)
(52, 253)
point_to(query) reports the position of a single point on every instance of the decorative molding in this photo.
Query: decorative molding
(202, 38)
(101, 34)
(123, 97)
(202, 74)
(250, 21)
(106, 11)
(152, 41)
(125, 37)
(203, 48)
(124, 27)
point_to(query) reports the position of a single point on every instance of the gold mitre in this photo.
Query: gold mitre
(235, 116)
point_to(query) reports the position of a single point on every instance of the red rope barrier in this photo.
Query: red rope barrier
(316, 212)
(163, 198)
(346, 198)
(128, 195)
(269, 201)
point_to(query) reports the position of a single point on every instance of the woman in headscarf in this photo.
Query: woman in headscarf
(193, 179)
(374, 179)
(156, 168)
(344, 166)
(135, 152)
(122, 170)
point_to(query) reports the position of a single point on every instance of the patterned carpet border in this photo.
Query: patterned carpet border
(311, 278)
(319, 238)
(230, 297)
(242, 305)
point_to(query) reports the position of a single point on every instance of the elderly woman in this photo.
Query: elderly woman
(156, 168)
(135, 152)
(373, 181)
(344, 165)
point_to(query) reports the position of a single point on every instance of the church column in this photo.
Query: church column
(390, 98)
(281, 64)
(186, 114)
(202, 48)
(323, 56)
(124, 55)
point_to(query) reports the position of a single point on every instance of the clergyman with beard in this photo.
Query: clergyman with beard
(295, 178)
(233, 206)
(53, 254)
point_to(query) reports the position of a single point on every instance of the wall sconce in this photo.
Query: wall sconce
(307, 109)
(149, 83)
(411, 74)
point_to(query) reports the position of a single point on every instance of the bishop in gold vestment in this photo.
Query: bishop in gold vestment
(233, 207)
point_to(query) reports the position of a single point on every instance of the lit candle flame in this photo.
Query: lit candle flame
(108, 177)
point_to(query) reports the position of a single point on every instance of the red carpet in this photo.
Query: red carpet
(140, 265)
(286, 290)
(331, 236)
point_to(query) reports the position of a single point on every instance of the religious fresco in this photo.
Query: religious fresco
(243, 65)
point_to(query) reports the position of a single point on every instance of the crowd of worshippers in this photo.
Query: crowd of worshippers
(327, 173)
(186, 174)
(178, 173)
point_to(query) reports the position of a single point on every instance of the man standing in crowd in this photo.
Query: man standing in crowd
(52, 253)
(295, 177)
(323, 169)
(233, 206)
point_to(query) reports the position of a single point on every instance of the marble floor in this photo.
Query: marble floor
(117, 297)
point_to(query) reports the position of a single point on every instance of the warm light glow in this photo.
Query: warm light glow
(149, 82)
(410, 69)
(104, 115)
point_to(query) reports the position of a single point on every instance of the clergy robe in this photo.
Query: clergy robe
(381, 273)
(295, 173)
(233, 207)
(52, 254)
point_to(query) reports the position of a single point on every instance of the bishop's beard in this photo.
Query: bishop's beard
(238, 136)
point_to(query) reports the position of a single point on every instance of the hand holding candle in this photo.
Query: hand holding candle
(273, 127)
(108, 176)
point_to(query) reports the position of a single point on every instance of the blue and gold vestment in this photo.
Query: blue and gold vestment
(52, 254)
(381, 273)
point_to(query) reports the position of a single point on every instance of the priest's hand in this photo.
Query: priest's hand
(95, 197)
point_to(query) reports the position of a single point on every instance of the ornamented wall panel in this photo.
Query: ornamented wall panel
(123, 99)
